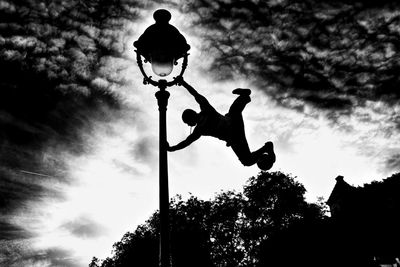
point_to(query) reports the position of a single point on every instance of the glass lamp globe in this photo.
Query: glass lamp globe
(162, 65)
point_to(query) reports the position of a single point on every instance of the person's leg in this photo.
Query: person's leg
(239, 143)
(239, 104)
(243, 153)
(236, 132)
(238, 140)
(248, 158)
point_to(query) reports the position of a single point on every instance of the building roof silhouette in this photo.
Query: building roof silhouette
(368, 217)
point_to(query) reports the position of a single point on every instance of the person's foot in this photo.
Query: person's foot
(241, 91)
(269, 148)
(267, 159)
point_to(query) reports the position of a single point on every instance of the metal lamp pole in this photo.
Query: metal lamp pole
(162, 44)
(162, 98)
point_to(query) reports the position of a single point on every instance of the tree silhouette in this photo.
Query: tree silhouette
(366, 219)
(363, 230)
(229, 230)
(270, 224)
(274, 202)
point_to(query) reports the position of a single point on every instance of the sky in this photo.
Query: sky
(79, 129)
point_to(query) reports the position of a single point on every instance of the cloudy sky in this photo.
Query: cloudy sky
(79, 130)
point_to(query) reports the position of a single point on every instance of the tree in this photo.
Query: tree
(228, 231)
(94, 263)
(274, 202)
(362, 232)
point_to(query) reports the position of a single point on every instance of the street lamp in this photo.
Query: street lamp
(162, 45)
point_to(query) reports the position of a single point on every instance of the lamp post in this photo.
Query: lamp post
(162, 45)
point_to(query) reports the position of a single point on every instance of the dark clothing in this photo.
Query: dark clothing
(229, 128)
(212, 123)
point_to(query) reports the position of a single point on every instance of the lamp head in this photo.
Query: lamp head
(162, 44)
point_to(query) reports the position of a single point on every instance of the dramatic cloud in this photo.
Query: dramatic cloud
(16, 189)
(393, 163)
(54, 91)
(64, 64)
(9, 231)
(18, 255)
(84, 228)
(328, 54)
(338, 60)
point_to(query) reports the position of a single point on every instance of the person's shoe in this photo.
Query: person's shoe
(241, 91)
(265, 162)
(269, 148)
(267, 159)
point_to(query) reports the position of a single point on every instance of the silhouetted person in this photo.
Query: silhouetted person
(229, 128)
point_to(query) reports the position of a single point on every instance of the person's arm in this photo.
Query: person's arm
(203, 102)
(190, 139)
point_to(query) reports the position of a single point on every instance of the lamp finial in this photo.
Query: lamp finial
(162, 16)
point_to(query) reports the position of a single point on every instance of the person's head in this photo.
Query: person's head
(190, 117)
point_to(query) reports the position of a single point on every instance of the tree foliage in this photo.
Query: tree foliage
(229, 230)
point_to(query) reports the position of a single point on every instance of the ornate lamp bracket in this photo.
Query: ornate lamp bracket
(162, 84)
